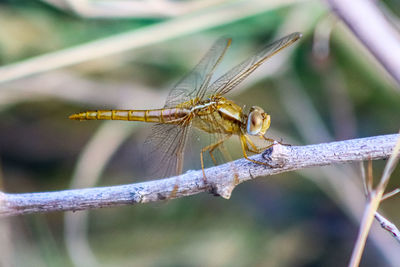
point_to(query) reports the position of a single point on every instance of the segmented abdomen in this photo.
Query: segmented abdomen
(169, 115)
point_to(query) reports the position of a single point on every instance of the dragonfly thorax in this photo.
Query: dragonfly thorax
(258, 121)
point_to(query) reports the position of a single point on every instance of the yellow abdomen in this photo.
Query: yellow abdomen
(171, 115)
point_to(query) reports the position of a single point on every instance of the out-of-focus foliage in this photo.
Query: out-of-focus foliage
(283, 220)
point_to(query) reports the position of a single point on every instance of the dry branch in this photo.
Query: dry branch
(220, 179)
(371, 207)
(376, 33)
(388, 226)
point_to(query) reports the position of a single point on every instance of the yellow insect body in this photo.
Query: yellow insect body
(203, 107)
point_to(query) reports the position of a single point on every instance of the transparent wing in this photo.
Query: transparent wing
(165, 148)
(166, 142)
(233, 77)
(196, 82)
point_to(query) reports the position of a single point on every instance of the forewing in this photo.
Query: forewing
(165, 148)
(196, 82)
(233, 77)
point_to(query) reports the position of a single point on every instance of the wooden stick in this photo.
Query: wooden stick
(220, 179)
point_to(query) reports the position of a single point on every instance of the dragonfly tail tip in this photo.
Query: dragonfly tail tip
(74, 117)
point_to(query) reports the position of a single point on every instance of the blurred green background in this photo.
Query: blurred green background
(326, 87)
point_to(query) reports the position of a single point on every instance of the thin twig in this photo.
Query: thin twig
(376, 33)
(375, 197)
(219, 179)
(385, 223)
(391, 194)
(364, 179)
(388, 226)
(337, 181)
(370, 181)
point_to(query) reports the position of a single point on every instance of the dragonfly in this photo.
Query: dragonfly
(197, 101)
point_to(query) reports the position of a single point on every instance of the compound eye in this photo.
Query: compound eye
(254, 122)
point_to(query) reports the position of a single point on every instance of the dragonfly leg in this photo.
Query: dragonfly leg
(255, 149)
(212, 156)
(267, 139)
(228, 158)
(245, 147)
(220, 147)
(272, 141)
(210, 149)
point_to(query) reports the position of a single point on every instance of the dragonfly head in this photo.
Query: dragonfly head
(258, 121)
